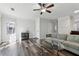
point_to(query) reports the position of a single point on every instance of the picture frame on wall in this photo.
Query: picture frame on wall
(10, 28)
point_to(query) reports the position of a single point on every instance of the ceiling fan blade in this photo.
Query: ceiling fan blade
(41, 13)
(35, 9)
(40, 4)
(50, 6)
(44, 5)
(48, 11)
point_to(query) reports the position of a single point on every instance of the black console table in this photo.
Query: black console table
(25, 36)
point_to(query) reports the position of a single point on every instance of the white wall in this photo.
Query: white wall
(0, 28)
(75, 22)
(25, 24)
(72, 23)
(5, 20)
(37, 27)
(47, 27)
(64, 25)
(22, 25)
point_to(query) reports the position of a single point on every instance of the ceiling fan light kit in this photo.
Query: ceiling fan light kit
(44, 8)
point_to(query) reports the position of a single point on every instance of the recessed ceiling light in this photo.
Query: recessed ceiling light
(76, 11)
(12, 9)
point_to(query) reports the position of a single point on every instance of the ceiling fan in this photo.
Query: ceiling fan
(44, 7)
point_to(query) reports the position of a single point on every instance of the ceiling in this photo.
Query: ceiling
(25, 10)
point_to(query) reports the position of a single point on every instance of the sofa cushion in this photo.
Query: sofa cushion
(62, 36)
(71, 44)
(49, 39)
(54, 35)
(73, 38)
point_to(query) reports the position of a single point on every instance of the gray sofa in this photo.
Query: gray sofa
(70, 42)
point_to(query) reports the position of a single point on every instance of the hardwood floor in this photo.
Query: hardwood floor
(28, 48)
(38, 50)
(13, 50)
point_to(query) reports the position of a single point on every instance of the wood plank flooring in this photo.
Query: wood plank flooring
(38, 50)
(30, 48)
(12, 50)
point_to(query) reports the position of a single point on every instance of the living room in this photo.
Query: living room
(59, 25)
